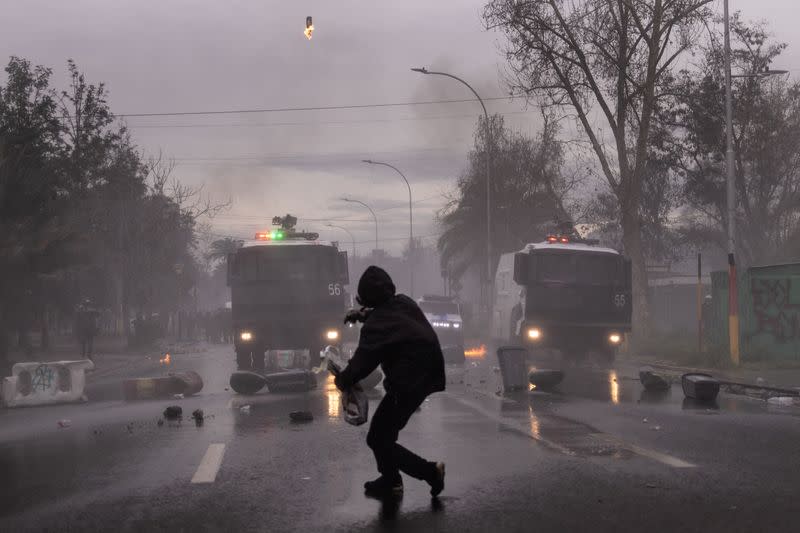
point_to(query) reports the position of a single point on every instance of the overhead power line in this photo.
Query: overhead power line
(310, 108)
(318, 122)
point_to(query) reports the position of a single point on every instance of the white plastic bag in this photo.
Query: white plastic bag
(355, 404)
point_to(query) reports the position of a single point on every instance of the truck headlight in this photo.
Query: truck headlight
(534, 334)
(456, 325)
(246, 336)
(615, 338)
(332, 334)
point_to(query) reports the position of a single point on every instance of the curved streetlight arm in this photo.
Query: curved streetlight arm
(373, 216)
(423, 70)
(352, 238)
(410, 220)
(408, 185)
(489, 280)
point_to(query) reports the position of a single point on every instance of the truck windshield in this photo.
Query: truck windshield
(440, 308)
(579, 268)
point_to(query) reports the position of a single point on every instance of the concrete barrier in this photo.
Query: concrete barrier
(35, 383)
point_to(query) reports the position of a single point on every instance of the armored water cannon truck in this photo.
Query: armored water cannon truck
(287, 297)
(564, 293)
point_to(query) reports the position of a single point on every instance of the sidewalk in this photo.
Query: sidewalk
(784, 378)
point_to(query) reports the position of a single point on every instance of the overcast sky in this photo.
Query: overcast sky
(201, 55)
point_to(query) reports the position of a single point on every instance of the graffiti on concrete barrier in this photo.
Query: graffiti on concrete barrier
(774, 311)
(42, 378)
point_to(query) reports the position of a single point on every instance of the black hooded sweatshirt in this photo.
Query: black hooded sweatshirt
(397, 336)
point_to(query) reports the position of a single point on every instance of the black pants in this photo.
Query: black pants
(390, 417)
(87, 343)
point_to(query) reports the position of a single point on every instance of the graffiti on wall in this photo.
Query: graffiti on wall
(774, 311)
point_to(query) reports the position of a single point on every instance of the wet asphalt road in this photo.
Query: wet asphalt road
(595, 456)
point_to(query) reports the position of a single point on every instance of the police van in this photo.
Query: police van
(563, 293)
(444, 314)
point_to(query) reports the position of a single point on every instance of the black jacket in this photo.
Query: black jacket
(397, 336)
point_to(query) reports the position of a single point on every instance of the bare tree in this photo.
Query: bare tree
(193, 200)
(609, 64)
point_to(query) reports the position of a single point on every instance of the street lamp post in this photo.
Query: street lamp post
(373, 216)
(488, 184)
(733, 295)
(353, 239)
(410, 223)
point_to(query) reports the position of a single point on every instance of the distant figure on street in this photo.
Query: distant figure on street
(86, 326)
(397, 336)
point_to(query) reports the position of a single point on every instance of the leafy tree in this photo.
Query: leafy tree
(528, 190)
(766, 135)
(609, 65)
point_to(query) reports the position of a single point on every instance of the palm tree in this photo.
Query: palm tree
(221, 248)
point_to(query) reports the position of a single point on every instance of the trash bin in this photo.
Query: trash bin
(513, 367)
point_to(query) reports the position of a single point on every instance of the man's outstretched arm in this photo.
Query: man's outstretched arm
(360, 366)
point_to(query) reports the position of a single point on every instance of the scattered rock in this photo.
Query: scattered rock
(783, 401)
(173, 412)
(178, 396)
(245, 409)
(644, 421)
(301, 416)
(655, 428)
(64, 423)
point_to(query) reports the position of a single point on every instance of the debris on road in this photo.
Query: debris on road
(291, 381)
(173, 412)
(245, 409)
(198, 417)
(243, 382)
(783, 401)
(301, 416)
(185, 383)
(544, 379)
(700, 387)
(652, 380)
(64, 423)
(178, 396)
(644, 421)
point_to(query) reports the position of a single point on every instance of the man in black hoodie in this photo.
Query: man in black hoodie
(397, 336)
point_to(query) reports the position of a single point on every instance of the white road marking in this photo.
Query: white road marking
(645, 452)
(209, 466)
(524, 428)
(511, 423)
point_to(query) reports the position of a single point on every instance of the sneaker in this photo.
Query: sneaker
(383, 487)
(437, 484)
